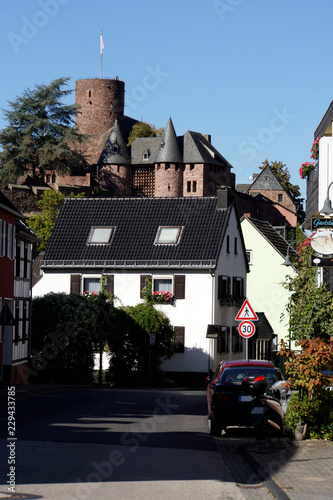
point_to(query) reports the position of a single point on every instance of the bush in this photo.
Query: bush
(316, 412)
(62, 339)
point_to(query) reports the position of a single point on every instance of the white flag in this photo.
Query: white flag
(102, 43)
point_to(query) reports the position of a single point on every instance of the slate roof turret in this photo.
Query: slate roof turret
(169, 151)
(115, 151)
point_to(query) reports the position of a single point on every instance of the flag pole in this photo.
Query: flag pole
(101, 50)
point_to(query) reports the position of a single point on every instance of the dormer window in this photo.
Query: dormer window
(115, 148)
(168, 235)
(100, 235)
(162, 145)
(146, 154)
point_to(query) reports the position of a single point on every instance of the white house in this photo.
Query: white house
(192, 247)
(267, 250)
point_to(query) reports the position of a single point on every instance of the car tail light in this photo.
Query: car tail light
(222, 396)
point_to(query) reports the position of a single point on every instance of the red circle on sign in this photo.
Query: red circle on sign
(246, 329)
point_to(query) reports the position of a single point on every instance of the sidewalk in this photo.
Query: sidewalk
(280, 469)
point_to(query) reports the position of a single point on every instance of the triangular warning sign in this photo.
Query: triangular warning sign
(246, 312)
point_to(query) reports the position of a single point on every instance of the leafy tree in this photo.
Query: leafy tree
(142, 129)
(43, 223)
(282, 173)
(41, 132)
(310, 307)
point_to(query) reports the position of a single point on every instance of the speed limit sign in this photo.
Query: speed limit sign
(246, 329)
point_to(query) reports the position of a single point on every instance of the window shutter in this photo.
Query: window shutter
(237, 340)
(237, 287)
(180, 338)
(223, 340)
(143, 283)
(234, 288)
(223, 286)
(75, 283)
(179, 286)
(109, 283)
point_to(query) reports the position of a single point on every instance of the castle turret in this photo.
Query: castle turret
(168, 165)
(114, 165)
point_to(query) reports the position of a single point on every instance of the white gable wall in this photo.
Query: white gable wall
(264, 289)
(234, 265)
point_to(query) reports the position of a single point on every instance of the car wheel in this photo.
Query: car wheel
(214, 428)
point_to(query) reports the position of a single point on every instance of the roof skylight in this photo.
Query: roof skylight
(168, 235)
(100, 235)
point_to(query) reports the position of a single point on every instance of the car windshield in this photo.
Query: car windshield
(235, 376)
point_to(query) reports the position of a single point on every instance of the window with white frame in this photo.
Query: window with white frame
(163, 284)
(168, 235)
(10, 241)
(92, 285)
(100, 235)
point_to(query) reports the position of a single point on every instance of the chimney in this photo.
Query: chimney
(224, 197)
(208, 138)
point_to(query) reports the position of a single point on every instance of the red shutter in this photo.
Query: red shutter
(179, 286)
(75, 283)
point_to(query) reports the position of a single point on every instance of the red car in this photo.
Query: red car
(228, 403)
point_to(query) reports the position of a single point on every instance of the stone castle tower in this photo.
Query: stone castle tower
(101, 104)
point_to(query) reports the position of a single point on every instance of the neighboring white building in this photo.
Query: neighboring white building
(192, 247)
(267, 250)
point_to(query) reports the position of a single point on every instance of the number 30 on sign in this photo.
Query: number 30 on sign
(246, 329)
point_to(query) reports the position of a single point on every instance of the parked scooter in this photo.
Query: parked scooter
(267, 415)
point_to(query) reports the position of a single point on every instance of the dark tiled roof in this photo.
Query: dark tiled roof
(242, 188)
(23, 230)
(7, 205)
(137, 221)
(272, 236)
(197, 149)
(141, 145)
(325, 122)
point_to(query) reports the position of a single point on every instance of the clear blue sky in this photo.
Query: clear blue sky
(255, 74)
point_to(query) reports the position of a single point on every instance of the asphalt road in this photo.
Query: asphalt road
(105, 443)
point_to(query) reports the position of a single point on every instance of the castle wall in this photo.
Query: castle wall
(117, 179)
(193, 183)
(168, 180)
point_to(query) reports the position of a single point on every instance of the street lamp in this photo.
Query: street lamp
(327, 209)
(288, 261)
